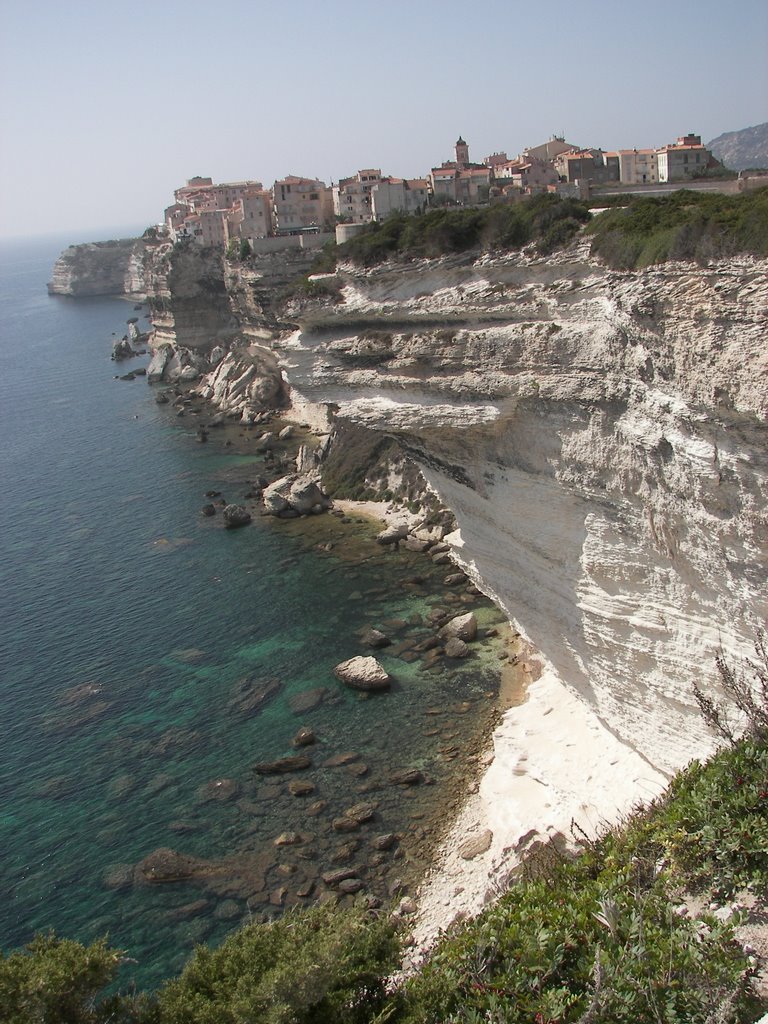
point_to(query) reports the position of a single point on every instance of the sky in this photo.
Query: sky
(106, 108)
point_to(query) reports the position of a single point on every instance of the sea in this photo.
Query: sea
(149, 658)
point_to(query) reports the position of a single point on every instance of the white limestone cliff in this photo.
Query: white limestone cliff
(601, 439)
(116, 267)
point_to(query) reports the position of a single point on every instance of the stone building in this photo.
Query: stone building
(352, 196)
(301, 203)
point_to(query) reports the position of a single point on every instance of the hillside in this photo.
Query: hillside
(746, 148)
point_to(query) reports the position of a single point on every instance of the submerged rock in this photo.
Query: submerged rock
(219, 789)
(375, 638)
(305, 737)
(456, 648)
(251, 693)
(167, 865)
(236, 515)
(118, 877)
(283, 765)
(308, 700)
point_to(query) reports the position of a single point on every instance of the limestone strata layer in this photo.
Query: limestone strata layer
(117, 267)
(601, 439)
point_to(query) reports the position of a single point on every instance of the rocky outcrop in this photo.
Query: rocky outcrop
(122, 350)
(300, 495)
(117, 267)
(244, 383)
(601, 439)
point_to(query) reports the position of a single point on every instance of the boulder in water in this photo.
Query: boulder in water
(393, 534)
(464, 627)
(158, 363)
(299, 494)
(236, 515)
(363, 674)
(122, 350)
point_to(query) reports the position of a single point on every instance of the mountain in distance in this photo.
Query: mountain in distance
(746, 148)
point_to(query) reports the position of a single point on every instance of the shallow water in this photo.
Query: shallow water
(134, 634)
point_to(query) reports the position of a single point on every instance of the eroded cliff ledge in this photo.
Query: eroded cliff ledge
(599, 435)
(601, 439)
(116, 267)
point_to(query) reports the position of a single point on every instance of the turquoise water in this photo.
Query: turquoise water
(132, 633)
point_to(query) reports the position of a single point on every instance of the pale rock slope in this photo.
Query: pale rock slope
(601, 439)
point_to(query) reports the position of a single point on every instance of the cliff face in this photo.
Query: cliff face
(600, 437)
(117, 267)
(601, 440)
(189, 301)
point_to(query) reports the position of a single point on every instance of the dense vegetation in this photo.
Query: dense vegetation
(545, 220)
(599, 938)
(633, 232)
(682, 225)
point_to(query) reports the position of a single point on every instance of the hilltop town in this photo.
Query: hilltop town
(295, 206)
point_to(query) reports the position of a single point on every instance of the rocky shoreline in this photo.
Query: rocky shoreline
(598, 436)
(359, 862)
(520, 785)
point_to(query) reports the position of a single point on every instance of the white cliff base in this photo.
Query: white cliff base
(601, 440)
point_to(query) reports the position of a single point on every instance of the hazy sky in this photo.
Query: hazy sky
(105, 108)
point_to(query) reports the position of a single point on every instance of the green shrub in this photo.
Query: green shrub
(450, 230)
(682, 225)
(582, 942)
(57, 981)
(317, 966)
(714, 823)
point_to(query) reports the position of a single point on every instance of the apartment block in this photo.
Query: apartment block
(301, 203)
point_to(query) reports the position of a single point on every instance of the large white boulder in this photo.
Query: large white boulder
(301, 494)
(462, 627)
(363, 674)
